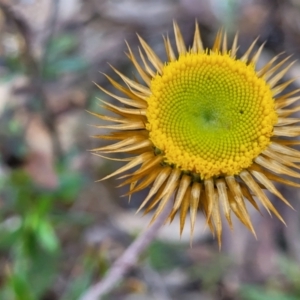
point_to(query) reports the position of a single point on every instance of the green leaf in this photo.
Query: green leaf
(42, 271)
(20, 288)
(84, 280)
(9, 238)
(47, 236)
(252, 292)
(70, 185)
(66, 65)
(163, 256)
(71, 64)
(62, 45)
(79, 285)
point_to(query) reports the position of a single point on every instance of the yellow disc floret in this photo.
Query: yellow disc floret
(210, 114)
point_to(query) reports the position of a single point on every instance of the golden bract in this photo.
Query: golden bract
(205, 127)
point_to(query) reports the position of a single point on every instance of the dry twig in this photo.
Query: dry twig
(128, 259)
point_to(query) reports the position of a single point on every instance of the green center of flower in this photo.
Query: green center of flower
(210, 114)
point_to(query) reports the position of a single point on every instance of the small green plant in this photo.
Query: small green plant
(28, 228)
(63, 58)
(284, 285)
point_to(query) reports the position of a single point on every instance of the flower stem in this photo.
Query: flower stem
(127, 260)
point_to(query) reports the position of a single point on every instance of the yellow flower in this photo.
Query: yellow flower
(206, 127)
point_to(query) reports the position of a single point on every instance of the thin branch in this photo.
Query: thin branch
(52, 21)
(36, 69)
(48, 114)
(128, 259)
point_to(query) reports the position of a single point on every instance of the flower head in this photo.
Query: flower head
(206, 127)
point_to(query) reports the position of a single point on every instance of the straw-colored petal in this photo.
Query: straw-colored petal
(287, 121)
(286, 102)
(274, 80)
(224, 44)
(267, 66)
(109, 118)
(284, 150)
(143, 74)
(245, 57)
(223, 198)
(133, 84)
(121, 144)
(131, 148)
(281, 180)
(169, 49)
(271, 71)
(142, 185)
(209, 190)
(155, 161)
(128, 93)
(281, 87)
(148, 69)
(179, 39)
(129, 126)
(234, 187)
(254, 187)
(269, 186)
(194, 204)
(123, 110)
(218, 40)
(161, 178)
(287, 131)
(135, 162)
(156, 199)
(256, 56)
(197, 43)
(153, 58)
(184, 208)
(216, 218)
(168, 191)
(123, 100)
(237, 205)
(183, 186)
(113, 158)
(276, 167)
(285, 160)
(234, 46)
(249, 196)
(136, 124)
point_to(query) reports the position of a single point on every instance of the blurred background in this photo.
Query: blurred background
(60, 231)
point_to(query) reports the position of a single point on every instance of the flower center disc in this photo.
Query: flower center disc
(210, 114)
